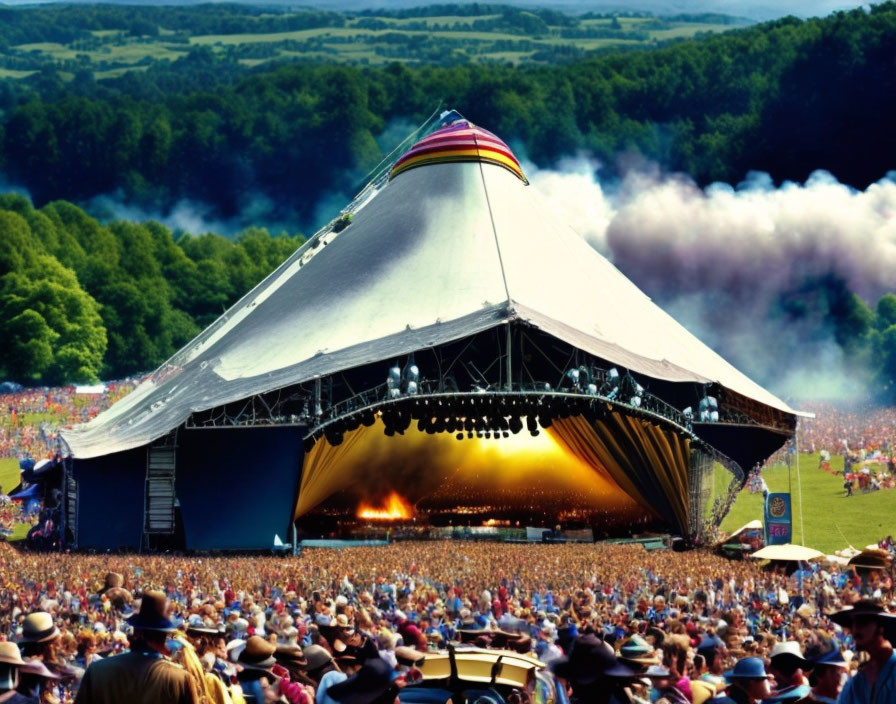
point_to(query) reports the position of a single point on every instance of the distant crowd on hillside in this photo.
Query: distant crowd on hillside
(30, 419)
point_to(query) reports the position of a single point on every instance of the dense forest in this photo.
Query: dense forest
(787, 97)
(83, 298)
(80, 301)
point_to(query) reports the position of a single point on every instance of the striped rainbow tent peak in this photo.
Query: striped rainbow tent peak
(460, 141)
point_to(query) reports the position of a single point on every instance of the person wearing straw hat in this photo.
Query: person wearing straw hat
(871, 627)
(40, 639)
(10, 664)
(144, 675)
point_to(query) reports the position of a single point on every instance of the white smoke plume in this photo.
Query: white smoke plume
(721, 258)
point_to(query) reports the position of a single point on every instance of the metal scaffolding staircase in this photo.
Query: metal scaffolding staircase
(160, 496)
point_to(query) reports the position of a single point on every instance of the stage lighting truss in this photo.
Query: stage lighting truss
(458, 392)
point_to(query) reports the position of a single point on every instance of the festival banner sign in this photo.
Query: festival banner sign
(778, 519)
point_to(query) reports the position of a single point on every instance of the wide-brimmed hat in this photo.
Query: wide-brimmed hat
(788, 650)
(832, 658)
(866, 608)
(9, 654)
(317, 657)
(153, 614)
(747, 669)
(258, 653)
(710, 644)
(38, 627)
(589, 660)
(367, 685)
(638, 651)
(291, 655)
(35, 666)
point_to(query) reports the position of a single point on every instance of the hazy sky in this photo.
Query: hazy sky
(754, 9)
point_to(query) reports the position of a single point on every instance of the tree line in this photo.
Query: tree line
(81, 301)
(786, 97)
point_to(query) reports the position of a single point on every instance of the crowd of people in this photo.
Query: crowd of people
(598, 623)
(30, 419)
(320, 627)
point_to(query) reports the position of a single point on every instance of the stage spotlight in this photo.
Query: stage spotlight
(516, 425)
(368, 418)
(635, 401)
(393, 380)
(545, 421)
(394, 393)
(422, 425)
(412, 388)
(459, 436)
(389, 431)
(688, 413)
(469, 434)
(534, 433)
(505, 434)
(591, 389)
(308, 444)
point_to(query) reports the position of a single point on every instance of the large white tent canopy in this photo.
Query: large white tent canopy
(441, 252)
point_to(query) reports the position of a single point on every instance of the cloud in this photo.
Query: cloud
(722, 259)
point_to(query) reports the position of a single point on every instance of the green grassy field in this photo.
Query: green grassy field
(825, 519)
(112, 52)
(9, 473)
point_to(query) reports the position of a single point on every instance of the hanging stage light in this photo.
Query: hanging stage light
(515, 424)
(412, 388)
(459, 436)
(532, 424)
(308, 444)
(393, 380)
(545, 421)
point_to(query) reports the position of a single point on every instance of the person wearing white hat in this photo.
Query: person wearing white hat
(786, 664)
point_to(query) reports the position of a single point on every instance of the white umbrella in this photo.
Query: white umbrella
(787, 552)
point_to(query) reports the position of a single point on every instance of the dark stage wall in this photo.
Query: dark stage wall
(238, 486)
(110, 499)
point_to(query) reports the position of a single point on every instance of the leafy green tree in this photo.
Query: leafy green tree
(51, 327)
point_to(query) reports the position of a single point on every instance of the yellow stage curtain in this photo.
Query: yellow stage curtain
(324, 472)
(648, 463)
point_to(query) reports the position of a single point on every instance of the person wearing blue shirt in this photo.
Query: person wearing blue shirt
(875, 682)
